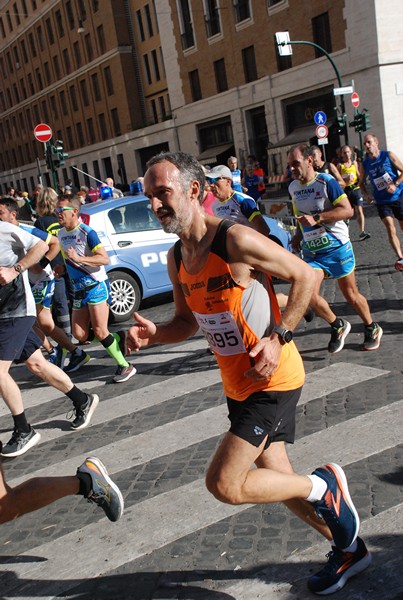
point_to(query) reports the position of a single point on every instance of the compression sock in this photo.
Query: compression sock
(112, 347)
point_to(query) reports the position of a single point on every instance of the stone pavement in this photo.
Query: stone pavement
(174, 542)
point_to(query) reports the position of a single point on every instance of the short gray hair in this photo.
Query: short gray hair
(187, 165)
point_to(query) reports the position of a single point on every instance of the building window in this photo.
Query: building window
(88, 45)
(242, 10)
(216, 133)
(80, 133)
(95, 86)
(66, 60)
(115, 121)
(16, 57)
(95, 6)
(147, 68)
(108, 81)
(155, 65)
(101, 39)
(63, 103)
(3, 31)
(102, 126)
(24, 8)
(82, 11)
(23, 90)
(140, 25)
(321, 33)
(59, 23)
(212, 17)
(249, 64)
(148, 20)
(70, 15)
(16, 94)
(38, 79)
(9, 21)
(17, 16)
(77, 54)
(70, 141)
(48, 76)
(31, 84)
(195, 88)
(91, 131)
(24, 51)
(84, 92)
(51, 37)
(45, 113)
(220, 75)
(73, 97)
(163, 112)
(53, 107)
(39, 35)
(95, 169)
(154, 111)
(32, 44)
(9, 63)
(56, 66)
(186, 24)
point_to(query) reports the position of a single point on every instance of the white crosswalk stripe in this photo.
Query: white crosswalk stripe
(161, 519)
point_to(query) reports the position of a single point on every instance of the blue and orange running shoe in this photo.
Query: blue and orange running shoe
(102, 490)
(339, 568)
(336, 507)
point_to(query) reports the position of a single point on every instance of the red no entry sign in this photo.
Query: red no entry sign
(355, 100)
(43, 132)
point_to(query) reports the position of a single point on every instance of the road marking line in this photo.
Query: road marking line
(151, 524)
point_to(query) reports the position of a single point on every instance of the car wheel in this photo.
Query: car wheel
(126, 296)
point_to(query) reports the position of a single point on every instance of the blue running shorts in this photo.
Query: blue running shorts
(336, 263)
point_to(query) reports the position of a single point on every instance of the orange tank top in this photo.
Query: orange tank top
(216, 302)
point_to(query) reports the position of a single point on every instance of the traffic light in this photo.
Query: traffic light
(357, 123)
(362, 121)
(49, 157)
(366, 125)
(341, 125)
(59, 155)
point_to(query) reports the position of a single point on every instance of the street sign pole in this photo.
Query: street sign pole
(285, 41)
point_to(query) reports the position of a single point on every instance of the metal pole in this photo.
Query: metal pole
(88, 175)
(336, 70)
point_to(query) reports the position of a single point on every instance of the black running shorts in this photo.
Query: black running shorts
(13, 335)
(264, 414)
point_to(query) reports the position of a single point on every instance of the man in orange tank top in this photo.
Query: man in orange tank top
(221, 275)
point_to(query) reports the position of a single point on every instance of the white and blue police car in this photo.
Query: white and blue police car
(137, 247)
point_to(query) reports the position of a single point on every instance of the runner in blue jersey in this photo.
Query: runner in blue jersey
(233, 205)
(236, 174)
(385, 171)
(321, 206)
(42, 282)
(85, 260)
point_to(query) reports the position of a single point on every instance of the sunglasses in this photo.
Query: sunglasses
(61, 209)
(214, 180)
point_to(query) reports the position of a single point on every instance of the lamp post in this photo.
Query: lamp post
(283, 40)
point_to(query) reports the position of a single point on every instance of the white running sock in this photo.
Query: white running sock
(319, 487)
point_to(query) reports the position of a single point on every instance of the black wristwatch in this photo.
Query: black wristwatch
(284, 334)
(18, 268)
(316, 218)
